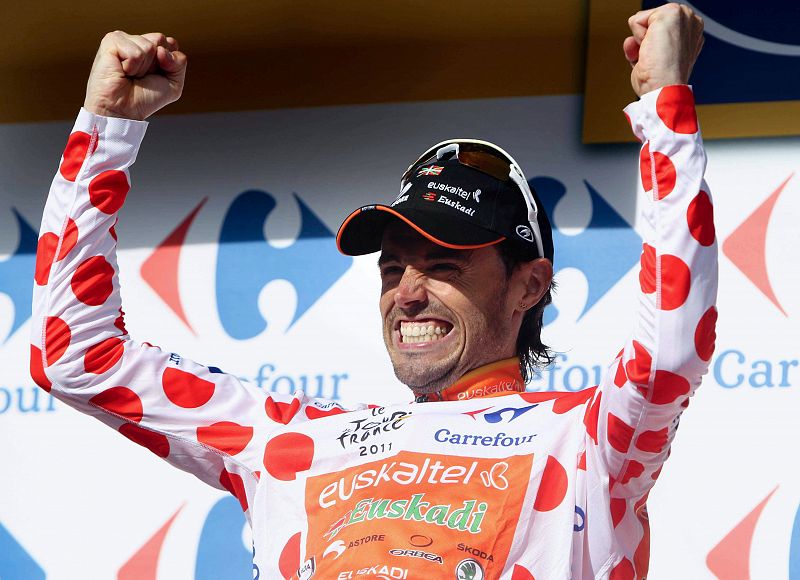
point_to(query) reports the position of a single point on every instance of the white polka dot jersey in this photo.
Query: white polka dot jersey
(491, 482)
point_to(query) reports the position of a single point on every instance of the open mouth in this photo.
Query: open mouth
(420, 331)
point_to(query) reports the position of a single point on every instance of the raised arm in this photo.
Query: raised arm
(195, 417)
(635, 412)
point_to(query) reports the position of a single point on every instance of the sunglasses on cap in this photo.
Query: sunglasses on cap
(487, 158)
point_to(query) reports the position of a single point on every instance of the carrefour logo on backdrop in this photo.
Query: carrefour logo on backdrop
(218, 547)
(764, 543)
(615, 246)
(246, 263)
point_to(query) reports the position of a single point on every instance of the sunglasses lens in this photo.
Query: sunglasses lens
(486, 163)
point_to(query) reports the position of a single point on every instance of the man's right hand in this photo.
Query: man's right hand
(134, 76)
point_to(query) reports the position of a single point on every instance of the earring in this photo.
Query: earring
(523, 305)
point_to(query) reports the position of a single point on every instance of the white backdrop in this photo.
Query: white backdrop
(79, 501)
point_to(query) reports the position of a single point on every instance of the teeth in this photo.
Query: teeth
(412, 332)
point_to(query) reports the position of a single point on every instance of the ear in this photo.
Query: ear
(535, 278)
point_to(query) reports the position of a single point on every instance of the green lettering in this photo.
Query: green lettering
(378, 509)
(397, 508)
(437, 515)
(413, 512)
(357, 514)
(477, 518)
(459, 518)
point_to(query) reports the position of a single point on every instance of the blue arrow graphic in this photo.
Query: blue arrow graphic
(15, 562)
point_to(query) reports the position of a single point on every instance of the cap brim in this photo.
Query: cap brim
(362, 231)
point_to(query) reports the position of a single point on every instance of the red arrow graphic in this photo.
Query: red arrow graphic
(730, 559)
(160, 269)
(143, 565)
(746, 246)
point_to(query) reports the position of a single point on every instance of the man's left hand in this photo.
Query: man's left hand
(664, 46)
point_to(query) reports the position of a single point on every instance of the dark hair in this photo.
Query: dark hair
(532, 352)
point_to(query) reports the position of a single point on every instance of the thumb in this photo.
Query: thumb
(172, 63)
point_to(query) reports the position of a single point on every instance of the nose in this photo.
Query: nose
(411, 293)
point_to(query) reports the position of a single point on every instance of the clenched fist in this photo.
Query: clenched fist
(133, 76)
(665, 44)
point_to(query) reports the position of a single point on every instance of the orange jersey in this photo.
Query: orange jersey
(487, 481)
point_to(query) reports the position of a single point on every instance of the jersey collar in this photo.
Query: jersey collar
(493, 380)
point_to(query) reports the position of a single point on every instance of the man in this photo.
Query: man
(477, 479)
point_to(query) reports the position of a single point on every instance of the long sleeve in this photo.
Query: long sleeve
(196, 417)
(634, 414)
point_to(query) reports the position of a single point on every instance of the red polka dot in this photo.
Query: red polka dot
(521, 573)
(56, 338)
(676, 281)
(618, 507)
(120, 401)
(623, 571)
(634, 470)
(45, 254)
(620, 378)
(563, 402)
(656, 473)
(120, 322)
(70, 239)
(92, 282)
(113, 230)
(107, 191)
(675, 107)
(667, 387)
(281, 412)
(228, 437)
(700, 217)
(314, 413)
(289, 560)
(553, 486)
(234, 484)
(287, 454)
(155, 442)
(37, 369)
(652, 441)
(647, 269)
(582, 461)
(103, 356)
(665, 171)
(590, 418)
(538, 397)
(185, 389)
(638, 368)
(75, 153)
(705, 335)
(619, 433)
(569, 401)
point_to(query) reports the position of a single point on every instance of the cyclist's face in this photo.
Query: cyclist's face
(445, 312)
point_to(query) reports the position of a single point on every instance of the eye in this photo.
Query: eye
(443, 267)
(389, 271)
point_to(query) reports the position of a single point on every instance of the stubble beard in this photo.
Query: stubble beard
(424, 376)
